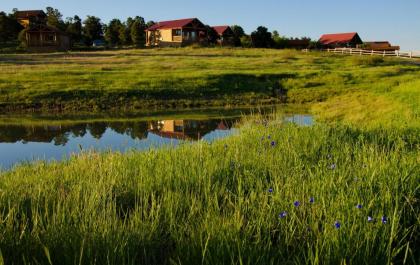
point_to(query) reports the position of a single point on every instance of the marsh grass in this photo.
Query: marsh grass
(211, 203)
(220, 203)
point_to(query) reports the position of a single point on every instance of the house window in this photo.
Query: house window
(177, 32)
(50, 38)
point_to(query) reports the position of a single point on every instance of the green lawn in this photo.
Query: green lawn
(246, 199)
(141, 79)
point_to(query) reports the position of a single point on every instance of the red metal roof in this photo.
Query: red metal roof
(220, 29)
(170, 24)
(328, 39)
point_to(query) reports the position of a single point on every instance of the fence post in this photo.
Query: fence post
(361, 52)
(384, 53)
(411, 54)
(371, 54)
(398, 53)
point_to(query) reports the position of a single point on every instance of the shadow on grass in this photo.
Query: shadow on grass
(215, 86)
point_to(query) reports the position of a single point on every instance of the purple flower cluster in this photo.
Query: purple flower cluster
(337, 223)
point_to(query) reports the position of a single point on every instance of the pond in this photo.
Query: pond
(38, 138)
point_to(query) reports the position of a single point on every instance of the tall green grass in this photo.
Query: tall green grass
(211, 203)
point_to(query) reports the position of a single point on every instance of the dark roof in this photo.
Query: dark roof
(170, 24)
(378, 42)
(30, 13)
(221, 29)
(337, 38)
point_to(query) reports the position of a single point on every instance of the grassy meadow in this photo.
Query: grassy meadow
(161, 78)
(344, 191)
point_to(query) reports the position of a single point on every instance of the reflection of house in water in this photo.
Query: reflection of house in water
(186, 129)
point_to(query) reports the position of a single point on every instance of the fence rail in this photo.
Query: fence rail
(360, 52)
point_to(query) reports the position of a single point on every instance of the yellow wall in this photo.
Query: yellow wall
(166, 35)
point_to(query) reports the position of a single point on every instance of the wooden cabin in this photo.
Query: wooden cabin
(340, 40)
(225, 35)
(176, 33)
(39, 36)
(379, 46)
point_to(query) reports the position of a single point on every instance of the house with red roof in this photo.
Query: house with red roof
(176, 33)
(340, 40)
(225, 35)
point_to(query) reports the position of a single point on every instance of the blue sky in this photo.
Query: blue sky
(396, 21)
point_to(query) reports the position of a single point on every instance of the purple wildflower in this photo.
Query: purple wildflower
(370, 219)
(283, 214)
(359, 206)
(273, 143)
(312, 200)
(384, 219)
(296, 203)
(337, 225)
(270, 190)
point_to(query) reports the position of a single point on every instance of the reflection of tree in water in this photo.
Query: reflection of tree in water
(78, 130)
(97, 129)
(136, 130)
(45, 134)
(60, 134)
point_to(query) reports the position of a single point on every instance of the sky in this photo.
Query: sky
(374, 20)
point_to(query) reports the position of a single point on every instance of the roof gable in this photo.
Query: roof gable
(221, 29)
(327, 39)
(171, 24)
(25, 14)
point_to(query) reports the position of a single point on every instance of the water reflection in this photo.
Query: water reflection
(53, 140)
(62, 134)
(31, 142)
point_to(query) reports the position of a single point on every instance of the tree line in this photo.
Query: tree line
(119, 33)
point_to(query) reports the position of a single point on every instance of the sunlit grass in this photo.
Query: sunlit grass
(220, 203)
(138, 79)
(212, 203)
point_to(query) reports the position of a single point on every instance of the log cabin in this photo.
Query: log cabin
(40, 37)
(176, 33)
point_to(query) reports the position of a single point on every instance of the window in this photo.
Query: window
(50, 38)
(177, 32)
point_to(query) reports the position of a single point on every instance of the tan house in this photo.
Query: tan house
(176, 33)
(38, 35)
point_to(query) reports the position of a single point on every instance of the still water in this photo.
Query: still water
(58, 139)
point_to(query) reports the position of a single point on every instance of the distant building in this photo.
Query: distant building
(38, 35)
(176, 33)
(225, 35)
(379, 46)
(340, 40)
(298, 43)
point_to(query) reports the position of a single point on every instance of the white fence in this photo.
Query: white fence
(372, 52)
